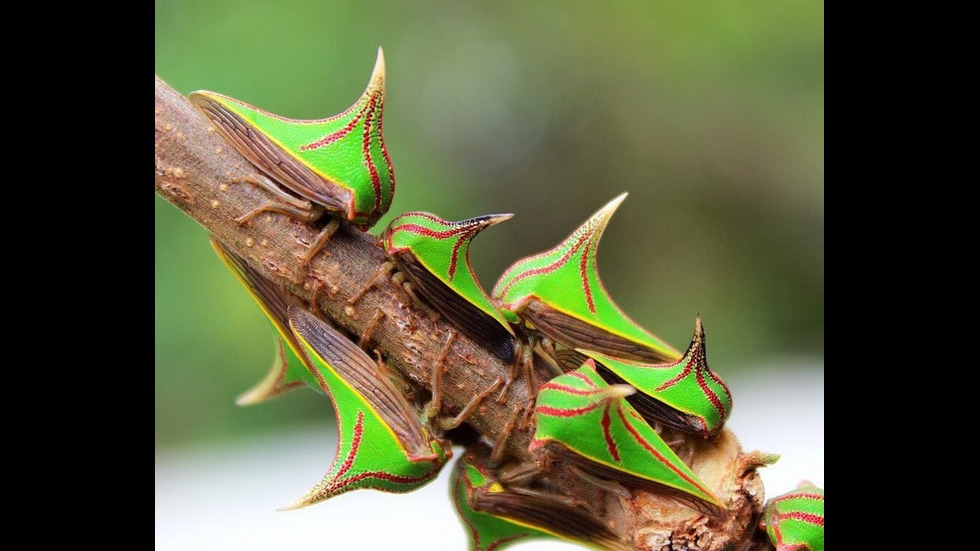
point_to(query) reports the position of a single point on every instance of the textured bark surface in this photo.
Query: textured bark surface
(199, 173)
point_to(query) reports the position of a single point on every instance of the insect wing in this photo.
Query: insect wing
(382, 444)
(339, 162)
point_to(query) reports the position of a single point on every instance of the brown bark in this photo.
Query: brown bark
(199, 173)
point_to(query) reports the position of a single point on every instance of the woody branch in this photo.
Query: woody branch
(200, 174)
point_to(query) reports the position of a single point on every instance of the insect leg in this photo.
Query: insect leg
(435, 404)
(470, 406)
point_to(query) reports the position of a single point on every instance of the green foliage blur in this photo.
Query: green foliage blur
(711, 115)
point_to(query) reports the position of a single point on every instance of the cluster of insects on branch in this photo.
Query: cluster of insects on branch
(612, 387)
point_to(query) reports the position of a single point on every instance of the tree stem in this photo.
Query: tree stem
(199, 173)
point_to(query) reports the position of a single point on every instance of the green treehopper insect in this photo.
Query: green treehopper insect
(684, 395)
(588, 423)
(339, 163)
(496, 516)
(558, 292)
(794, 520)
(435, 256)
(383, 445)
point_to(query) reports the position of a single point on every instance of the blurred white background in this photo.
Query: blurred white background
(225, 497)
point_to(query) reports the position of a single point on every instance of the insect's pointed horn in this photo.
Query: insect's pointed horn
(620, 391)
(485, 221)
(377, 82)
(298, 504)
(603, 215)
(494, 219)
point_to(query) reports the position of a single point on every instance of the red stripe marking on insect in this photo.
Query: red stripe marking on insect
(642, 441)
(721, 383)
(811, 496)
(779, 535)
(815, 520)
(464, 486)
(682, 375)
(454, 259)
(336, 483)
(381, 142)
(583, 273)
(808, 518)
(419, 229)
(610, 443)
(366, 150)
(469, 232)
(570, 390)
(340, 486)
(559, 412)
(715, 401)
(504, 540)
(333, 136)
(388, 477)
(583, 377)
(355, 444)
(279, 387)
(282, 358)
(545, 269)
(469, 266)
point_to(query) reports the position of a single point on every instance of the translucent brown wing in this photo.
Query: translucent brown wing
(271, 159)
(539, 511)
(601, 471)
(575, 333)
(469, 319)
(359, 371)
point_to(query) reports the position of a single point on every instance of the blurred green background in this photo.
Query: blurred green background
(711, 115)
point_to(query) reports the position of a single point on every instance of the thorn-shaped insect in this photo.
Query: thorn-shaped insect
(434, 254)
(585, 421)
(288, 370)
(496, 516)
(405, 455)
(382, 443)
(558, 292)
(794, 520)
(339, 163)
(685, 395)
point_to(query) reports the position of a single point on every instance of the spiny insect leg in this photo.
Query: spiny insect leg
(608, 485)
(370, 328)
(498, 447)
(519, 475)
(262, 181)
(523, 358)
(435, 404)
(405, 286)
(331, 228)
(383, 271)
(528, 419)
(470, 406)
(545, 349)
